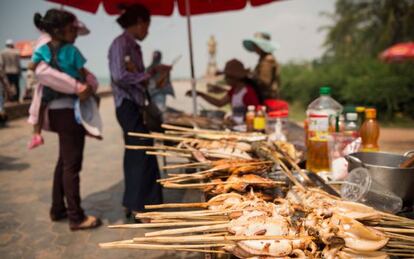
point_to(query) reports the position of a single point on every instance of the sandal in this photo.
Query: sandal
(89, 222)
(35, 141)
(139, 220)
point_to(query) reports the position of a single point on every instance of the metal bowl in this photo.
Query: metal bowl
(384, 169)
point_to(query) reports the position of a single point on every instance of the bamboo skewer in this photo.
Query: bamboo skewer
(187, 230)
(198, 239)
(205, 131)
(293, 163)
(396, 230)
(162, 247)
(160, 136)
(400, 237)
(178, 205)
(188, 165)
(167, 224)
(289, 174)
(201, 185)
(157, 148)
(167, 154)
(188, 213)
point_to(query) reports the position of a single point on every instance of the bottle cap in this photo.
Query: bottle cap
(261, 108)
(370, 113)
(250, 108)
(325, 90)
(278, 114)
(360, 109)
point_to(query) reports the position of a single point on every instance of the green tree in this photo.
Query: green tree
(360, 31)
(366, 27)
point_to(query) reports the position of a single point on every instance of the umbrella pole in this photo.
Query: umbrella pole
(190, 45)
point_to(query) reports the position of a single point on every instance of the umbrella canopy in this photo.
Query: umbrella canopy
(164, 7)
(25, 47)
(399, 52)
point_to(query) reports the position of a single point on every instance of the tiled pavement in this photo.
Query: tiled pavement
(25, 192)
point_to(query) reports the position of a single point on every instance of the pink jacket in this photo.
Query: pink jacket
(58, 81)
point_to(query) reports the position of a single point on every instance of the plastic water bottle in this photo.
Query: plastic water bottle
(322, 115)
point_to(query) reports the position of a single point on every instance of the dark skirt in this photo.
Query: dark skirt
(140, 170)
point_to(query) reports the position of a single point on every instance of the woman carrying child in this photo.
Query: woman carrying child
(60, 54)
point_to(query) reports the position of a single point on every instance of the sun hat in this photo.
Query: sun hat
(82, 29)
(87, 112)
(261, 40)
(234, 68)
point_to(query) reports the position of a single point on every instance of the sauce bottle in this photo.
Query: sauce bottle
(259, 122)
(370, 131)
(250, 114)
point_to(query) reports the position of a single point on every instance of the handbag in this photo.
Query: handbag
(152, 115)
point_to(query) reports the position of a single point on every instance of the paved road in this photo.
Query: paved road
(25, 194)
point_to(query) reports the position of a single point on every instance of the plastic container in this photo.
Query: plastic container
(370, 131)
(276, 125)
(360, 187)
(250, 118)
(340, 144)
(320, 114)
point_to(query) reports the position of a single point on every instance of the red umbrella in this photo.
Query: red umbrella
(399, 52)
(166, 7)
(25, 47)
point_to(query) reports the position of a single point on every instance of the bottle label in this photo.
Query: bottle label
(259, 123)
(318, 122)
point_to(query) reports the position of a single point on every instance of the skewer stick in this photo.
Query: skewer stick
(289, 174)
(201, 185)
(292, 162)
(160, 136)
(158, 147)
(198, 239)
(187, 230)
(400, 237)
(167, 154)
(172, 224)
(188, 165)
(187, 213)
(401, 254)
(206, 131)
(401, 246)
(183, 218)
(161, 247)
(396, 230)
(178, 205)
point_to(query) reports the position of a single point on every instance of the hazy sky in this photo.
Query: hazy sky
(294, 24)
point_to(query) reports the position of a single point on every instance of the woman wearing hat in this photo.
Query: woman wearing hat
(240, 96)
(266, 73)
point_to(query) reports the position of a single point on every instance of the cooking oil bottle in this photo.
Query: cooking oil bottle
(320, 113)
(250, 114)
(370, 131)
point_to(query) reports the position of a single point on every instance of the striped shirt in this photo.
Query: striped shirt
(125, 84)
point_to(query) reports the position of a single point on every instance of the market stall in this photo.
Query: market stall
(260, 204)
